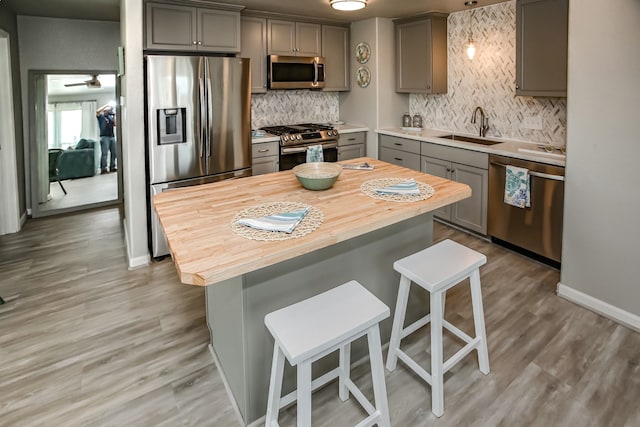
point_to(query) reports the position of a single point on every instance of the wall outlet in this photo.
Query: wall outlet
(532, 122)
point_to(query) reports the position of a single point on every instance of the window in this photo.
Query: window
(64, 126)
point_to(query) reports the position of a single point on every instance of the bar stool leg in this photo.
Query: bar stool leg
(275, 387)
(398, 323)
(304, 394)
(377, 375)
(345, 371)
(437, 386)
(478, 320)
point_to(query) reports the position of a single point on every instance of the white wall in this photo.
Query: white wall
(60, 45)
(377, 105)
(132, 122)
(602, 197)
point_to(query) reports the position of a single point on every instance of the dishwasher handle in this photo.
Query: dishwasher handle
(536, 174)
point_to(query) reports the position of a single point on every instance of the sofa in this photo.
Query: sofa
(78, 162)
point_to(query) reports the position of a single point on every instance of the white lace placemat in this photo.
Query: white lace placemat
(369, 188)
(309, 223)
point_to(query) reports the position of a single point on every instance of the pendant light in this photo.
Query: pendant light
(470, 46)
(348, 4)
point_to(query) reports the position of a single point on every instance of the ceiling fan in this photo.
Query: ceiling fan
(92, 83)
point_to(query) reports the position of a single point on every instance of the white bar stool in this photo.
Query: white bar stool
(311, 329)
(436, 269)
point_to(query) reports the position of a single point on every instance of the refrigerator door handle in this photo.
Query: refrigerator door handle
(209, 105)
(202, 106)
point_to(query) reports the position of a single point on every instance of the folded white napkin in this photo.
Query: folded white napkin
(517, 189)
(314, 154)
(285, 222)
(406, 187)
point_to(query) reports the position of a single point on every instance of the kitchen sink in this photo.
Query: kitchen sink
(470, 139)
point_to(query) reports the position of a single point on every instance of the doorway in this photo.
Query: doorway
(68, 172)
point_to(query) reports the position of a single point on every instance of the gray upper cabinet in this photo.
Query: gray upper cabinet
(335, 49)
(293, 38)
(186, 28)
(541, 47)
(254, 46)
(421, 50)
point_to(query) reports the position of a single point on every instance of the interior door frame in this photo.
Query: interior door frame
(36, 212)
(9, 208)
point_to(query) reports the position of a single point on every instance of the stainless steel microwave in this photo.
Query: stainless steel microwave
(296, 72)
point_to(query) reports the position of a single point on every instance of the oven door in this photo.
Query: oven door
(295, 155)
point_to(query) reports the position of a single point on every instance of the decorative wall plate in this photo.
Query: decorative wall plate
(363, 76)
(363, 52)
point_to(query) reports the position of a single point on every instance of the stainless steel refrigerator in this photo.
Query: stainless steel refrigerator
(198, 117)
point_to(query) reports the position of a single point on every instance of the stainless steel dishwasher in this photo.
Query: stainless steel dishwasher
(538, 228)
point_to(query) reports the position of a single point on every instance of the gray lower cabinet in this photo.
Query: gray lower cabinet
(335, 49)
(294, 38)
(421, 54)
(467, 167)
(541, 47)
(186, 28)
(400, 151)
(254, 46)
(351, 146)
(265, 157)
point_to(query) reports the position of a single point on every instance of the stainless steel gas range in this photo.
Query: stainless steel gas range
(295, 139)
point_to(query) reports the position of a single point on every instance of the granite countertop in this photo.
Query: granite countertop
(509, 148)
(197, 220)
(343, 128)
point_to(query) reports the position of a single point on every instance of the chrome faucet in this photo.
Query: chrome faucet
(484, 121)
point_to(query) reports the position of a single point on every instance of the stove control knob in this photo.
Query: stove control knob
(299, 137)
(285, 138)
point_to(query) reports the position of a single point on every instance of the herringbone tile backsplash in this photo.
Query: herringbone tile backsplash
(488, 81)
(287, 107)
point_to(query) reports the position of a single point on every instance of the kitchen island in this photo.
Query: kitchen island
(360, 238)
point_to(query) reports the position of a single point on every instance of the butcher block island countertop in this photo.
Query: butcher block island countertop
(197, 220)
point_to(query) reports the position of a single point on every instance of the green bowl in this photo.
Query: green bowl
(317, 175)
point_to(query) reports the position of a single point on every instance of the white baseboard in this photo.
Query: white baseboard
(607, 310)
(134, 262)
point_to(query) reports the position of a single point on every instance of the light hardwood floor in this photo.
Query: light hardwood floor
(84, 341)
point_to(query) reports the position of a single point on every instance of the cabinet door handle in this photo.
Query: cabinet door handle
(398, 144)
(428, 86)
(199, 42)
(517, 86)
(194, 42)
(397, 158)
(351, 139)
(264, 150)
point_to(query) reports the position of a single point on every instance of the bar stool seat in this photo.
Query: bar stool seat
(311, 329)
(436, 269)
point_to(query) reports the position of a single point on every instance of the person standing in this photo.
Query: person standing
(107, 121)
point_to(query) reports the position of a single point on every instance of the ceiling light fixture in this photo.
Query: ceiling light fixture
(470, 45)
(348, 4)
